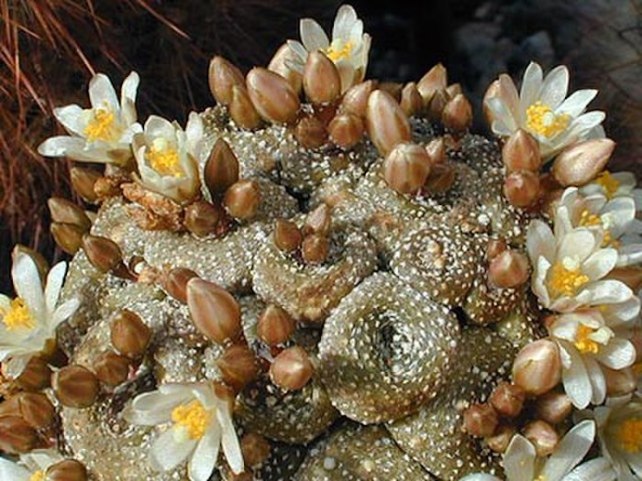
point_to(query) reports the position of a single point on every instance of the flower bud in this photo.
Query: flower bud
(221, 169)
(509, 269)
(457, 115)
(346, 130)
(436, 149)
(522, 188)
(580, 163)
(278, 64)
(67, 236)
(521, 152)
(386, 123)
(453, 90)
(272, 96)
(620, 382)
(111, 369)
(315, 248)
(242, 109)
(67, 470)
(242, 199)
(537, 368)
(318, 221)
(75, 386)
(82, 181)
(201, 218)
(130, 336)
(502, 437)
(437, 105)
(215, 313)
(435, 79)
(255, 448)
(406, 168)
(310, 133)
(287, 236)
(411, 101)
(66, 212)
(553, 407)
(238, 366)
(16, 436)
(441, 179)
(36, 376)
(291, 369)
(275, 326)
(508, 399)
(175, 283)
(543, 436)
(36, 409)
(222, 77)
(480, 420)
(494, 248)
(321, 80)
(103, 253)
(355, 100)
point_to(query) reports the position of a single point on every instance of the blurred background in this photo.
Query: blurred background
(50, 48)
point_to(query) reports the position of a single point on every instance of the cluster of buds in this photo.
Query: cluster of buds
(522, 159)
(69, 223)
(507, 268)
(311, 243)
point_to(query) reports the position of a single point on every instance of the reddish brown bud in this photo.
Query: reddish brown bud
(437, 105)
(291, 369)
(238, 366)
(287, 235)
(111, 369)
(83, 181)
(175, 283)
(509, 269)
(67, 470)
(129, 334)
(275, 326)
(16, 436)
(311, 133)
(411, 100)
(242, 199)
(457, 114)
(321, 80)
(521, 152)
(441, 178)
(522, 188)
(66, 212)
(494, 248)
(34, 408)
(537, 367)
(202, 218)
(355, 100)
(580, 163)
(68, 237)
(386, 123)
(315, 248)
(620, 382)
(272, 96)
(318, 221)
(222, 77)
(502, 437)
(36, 375)
(278, 64)
(75, 386)
(480, 420)
(406, 168)
(103, 253)
(346, 130)
(543, 436)
(453, 90)
(508, 399)
(214, 311)
(221, 169)
(436, 149)
(255, 448)
(242, 109)
(435, 79)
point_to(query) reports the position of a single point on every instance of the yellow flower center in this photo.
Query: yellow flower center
(338, 52)
(102, 126)
(565, 280)
(541, 120)
(609, 183)
(629, 435)
(587, 219)
(163, 158)
(193, 417)
(18, 316)
(583, 342)
(38, 476)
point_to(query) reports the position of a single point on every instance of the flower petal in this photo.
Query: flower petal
(11, 471)
(128, 92)
(519, 459)
(600, 263)
(598, 469)
(102, 93)
(570, 451)
(596, 377)
(604, 292)
(64, 312)
(312, 35)
(531, 86)
(166, 453)
(555, 87)
(26, 281)
(204, 458)
(540, 241)
(16, 365)
(343, 22)
(480, 477)
(577, 102)
(577, 244)
(53, 285)
(575, 378)
(70, 118)
(153, 408)
(230, 442)
(617, 354)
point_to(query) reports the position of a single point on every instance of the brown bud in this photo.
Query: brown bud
(508, 399)
(406, 168)
(435, 79)
(82, 181)
(494, 248)
(355, 100)
(242, 109)
(221, 169)
(310, 132)
(278, 64)
(315, 248)
(411, 101)
(67, 470)
(242, 199)
(386, 123)
(175, 283)
(441, 178)
(346, 130)
(537, 368)
(393, 88)
(103, 253)
(630, 275)
(620, 382)
(457, 114)
(521, 152)
(36, 375)
(453, 90)
(580, 163)
(238, 366)
(222, 78)
(437, 105)
(522, 188)
(318, 221)
(321, 80)
(201, 218)
(66, 212)
(636, 340)
(272, 95)
(75, 386)
(287, 235)
(291, 369)
(67, 236)
(130, 336)
(509, 269)
(543, 436)
(255, 448)
(436, 149)
(480, 420)
(111, 369)
(275, 326)
(34, 408)
(16, 436)
(553, 407)
(502, 437)
(214, 311)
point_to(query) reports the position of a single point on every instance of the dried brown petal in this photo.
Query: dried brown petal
(278, 64)
(291, 369)
(242, 199)
(272, 96)
(441, 179)
(502, 437)
(620, 382)
(436, 149)
(221, 169)
(437, 105)
(75, 386)
(386, 123)
(321, 79)
(130, 336)
(36, 375)
(494, 248)
(553, 407)
(214, 311)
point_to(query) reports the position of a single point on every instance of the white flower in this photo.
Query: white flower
(620, 435)
(614, 218)
(588, 340)
(30, 320)
(102, 133)
(200, 423)
(618, 184)
(521, 462)
(31, 467)
(348, 50)
(568, 269)
(542, 109)
(167, 157)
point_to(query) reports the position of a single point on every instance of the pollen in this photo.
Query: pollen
(587, 219)
(541, 119)
(609, 183)
(583, 342)
(193, 417)
(18, 316)
(339, 52)
(102, 126)
(38, 476)
(565, 280)
(629, 435)
(163, 158)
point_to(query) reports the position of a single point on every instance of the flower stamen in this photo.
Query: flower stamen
(38, 476)
(193, 418)
(629, 435)
(583, 341)
(18, 316)
(163, 158)
(565, 279)
(541, 120)
(338, 52)
(609, 183)
(102, 126)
